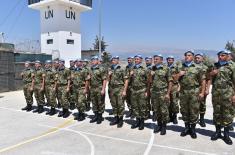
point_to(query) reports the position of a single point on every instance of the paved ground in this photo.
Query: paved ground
(23, 133)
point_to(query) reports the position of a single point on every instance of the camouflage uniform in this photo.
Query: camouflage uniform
(38, 75)
(139, 82)
(97, 76)
(128, 93)
(62, 76)
(27, 80)
(79, 79)
(50, 92)
(174, 98)
(116, 85)
(88, 96)
(149, 67)
(72, 93)
(160, 79)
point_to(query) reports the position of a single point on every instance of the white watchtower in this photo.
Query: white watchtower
(60, 25)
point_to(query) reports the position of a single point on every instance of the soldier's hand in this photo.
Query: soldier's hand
(167, 97)
(214, 72)
(207, 92)
(102, 92)
(182, 73)
(233, 100)
(110, 73)
(67, 89)
(85, 91)
(146, 94)
(41, 89)
(123, 93)
(54, 89)
(132, 73)
(201, 96)
(31, 88)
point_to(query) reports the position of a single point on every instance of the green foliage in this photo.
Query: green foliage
(103, 44)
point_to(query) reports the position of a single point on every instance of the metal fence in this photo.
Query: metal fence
(83, 2)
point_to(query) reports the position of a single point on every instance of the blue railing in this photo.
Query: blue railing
(83, 2)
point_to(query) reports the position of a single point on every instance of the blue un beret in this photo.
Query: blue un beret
(190, 51)
(138, 56)
(222, 52)
(95, 58)
(158, 55)
(170, 57)
(148, 58)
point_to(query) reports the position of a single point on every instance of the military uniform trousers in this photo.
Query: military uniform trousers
(39, 95)
(80, 98)
(50, 95)
(160, 105)
(63, 96)
(223, 107)
(128, 98)
(174, 100)
(28, 94)
(117, 101)
(189, 104)
(98, 104)
(139, 102)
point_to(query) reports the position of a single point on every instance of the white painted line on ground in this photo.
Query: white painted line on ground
(150, 144)
(132, 141)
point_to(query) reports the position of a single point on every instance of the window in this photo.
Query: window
(50, 41)
(70, 41)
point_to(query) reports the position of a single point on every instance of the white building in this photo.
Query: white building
(60, 26)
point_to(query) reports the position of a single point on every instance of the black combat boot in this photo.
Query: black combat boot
(26, 107)
(130, 113)
(226, 138)
(48, 113)
(61, 113)
(53, 112)
(154, 117)
(163, 129)
(202, 121)
(174, 118)
(136, 124)
(99, 119)
(157, 128)
(217, 133)
(115, 121)
(37, 109)
(231, 128)
(193, 131)
(186, 130)
(94, 119)
(148, 115)
(29, 107)
(120, 122)
(141, 126)
(66, 113)
(81, 116)
(41, 109)
(88, 107)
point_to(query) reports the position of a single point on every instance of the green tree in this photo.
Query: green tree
(230, 46)
(103, 44)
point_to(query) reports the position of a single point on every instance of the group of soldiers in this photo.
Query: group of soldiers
(158, 90)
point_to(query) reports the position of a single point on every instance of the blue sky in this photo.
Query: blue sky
(138, 25)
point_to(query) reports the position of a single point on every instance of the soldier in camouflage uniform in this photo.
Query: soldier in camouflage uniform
(72, 95)
(148, 62)
(39, 86)
(55, 68)
(118, 83)
(50, 91)
(199, 59)
(223, 96)
(97, 82)
(230, 60)
(139, 82)
(161, 82)
(63, 88)
(174, 95)
(192, 87)
(130, 61)
(88, 96)
(27, 88)
(79, 84)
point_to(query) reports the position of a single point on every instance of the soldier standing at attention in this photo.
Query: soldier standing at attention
(27, 88)
(50, 92)
(63, 88)
(55, 68)
(118, 83)
(223, 96)
(72, 95)
(199, 59)
(130, 65)
(97, 82)
(139, 83)
(174, 95)
(148, 62)
(88, 96)
(192, 89)
(161, 82)
(79, 84)
(39, 86)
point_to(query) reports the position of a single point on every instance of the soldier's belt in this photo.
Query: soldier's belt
(225, 86)
(138, 87)
(116, 86)
(158, 89)
(62, 84)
